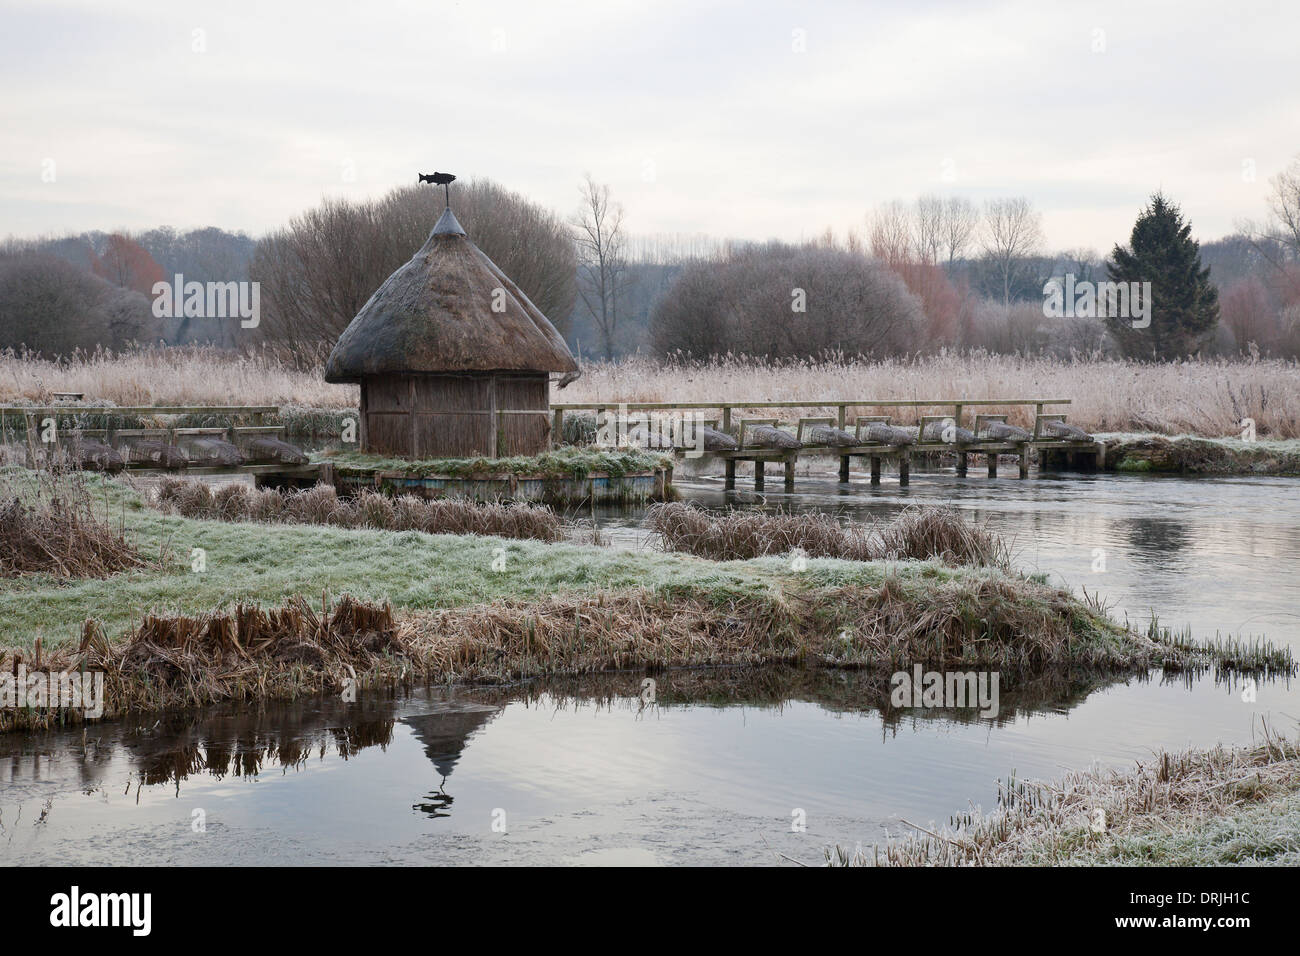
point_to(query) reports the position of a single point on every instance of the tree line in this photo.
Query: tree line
(934, 273)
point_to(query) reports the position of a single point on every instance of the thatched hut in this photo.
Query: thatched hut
(452, 358)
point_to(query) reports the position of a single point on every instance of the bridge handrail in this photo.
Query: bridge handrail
(805, 403)
(956, 404)
(139, 409)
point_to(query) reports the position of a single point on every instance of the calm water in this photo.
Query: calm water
(715, 769)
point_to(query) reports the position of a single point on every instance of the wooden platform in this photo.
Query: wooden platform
(876, 454)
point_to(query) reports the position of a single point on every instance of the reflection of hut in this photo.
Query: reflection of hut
(445, 734)
(452, 358)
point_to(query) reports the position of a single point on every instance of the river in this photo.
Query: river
(738, 768)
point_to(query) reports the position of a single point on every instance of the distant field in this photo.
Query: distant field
(1207, 398)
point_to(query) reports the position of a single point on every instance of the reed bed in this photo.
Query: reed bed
(175, 661)
(197, 375)
(321, 504)
(1206, 397)
(921, 533)
(48, 525)
(1219, 806)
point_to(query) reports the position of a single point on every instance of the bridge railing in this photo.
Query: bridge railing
(958, 406)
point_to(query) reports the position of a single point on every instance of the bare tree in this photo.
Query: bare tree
(927, 229)
(890, 233)
(318, 271)
(960, 220)
(786, 301)
(1284, 204)
(52, 307)
(1012, 233)
(602, 263)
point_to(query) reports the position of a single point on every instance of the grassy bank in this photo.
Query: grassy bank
(1215, 807)
(1187, 454)
(564, 462)
(218, 611)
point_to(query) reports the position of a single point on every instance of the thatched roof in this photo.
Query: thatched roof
(435, 314)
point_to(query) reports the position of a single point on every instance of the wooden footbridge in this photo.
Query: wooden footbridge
(837, 436)
(53, 427)
(761, 441)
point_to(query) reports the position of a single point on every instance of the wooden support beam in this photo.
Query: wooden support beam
(844, 467)
(904, 467)
(789, 474)
(1024, 461)
(758, 474)
(993, 464)
(875, 469)
(963, 463)
(730, 483)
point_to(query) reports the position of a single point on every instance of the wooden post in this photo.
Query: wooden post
(789, 474)
(993, 464)
(730, 483)
(963, 463)
(557, 427)
(904, 467)
(1024, 461)
(875, 469)
(843, 410)
(726, 419)
(844, 467)
(758, 474)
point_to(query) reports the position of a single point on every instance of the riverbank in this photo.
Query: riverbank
(1192, 455)
(220, 610)
(1200, 807)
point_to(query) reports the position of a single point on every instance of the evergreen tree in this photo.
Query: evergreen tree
(1184, 304)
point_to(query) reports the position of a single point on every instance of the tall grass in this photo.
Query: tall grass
(321, 505)
(1196, 807)
(49, 525)
(198, 375)
(920, 533)
(1200, 397)
(1208, 397)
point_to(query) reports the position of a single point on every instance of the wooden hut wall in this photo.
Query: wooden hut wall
(526, 429)
(453, 416)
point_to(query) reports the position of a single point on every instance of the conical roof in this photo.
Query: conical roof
(436, 314)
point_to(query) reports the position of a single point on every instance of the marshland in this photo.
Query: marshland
(371, 559)
(761, 667)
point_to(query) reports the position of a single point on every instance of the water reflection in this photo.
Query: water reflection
(1162, 543)
(587, 768)
(241, 743)
(444, 735)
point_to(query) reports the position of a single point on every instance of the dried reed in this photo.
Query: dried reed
(919, 532)
(48, 525)
(321, 504)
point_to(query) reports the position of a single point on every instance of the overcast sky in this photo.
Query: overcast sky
(702, 116)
